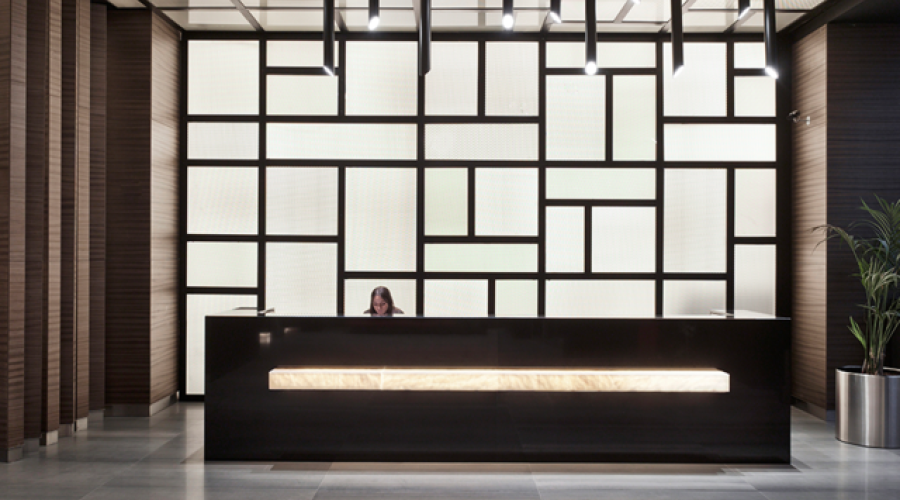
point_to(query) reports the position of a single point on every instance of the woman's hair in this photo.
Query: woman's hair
(385, 294)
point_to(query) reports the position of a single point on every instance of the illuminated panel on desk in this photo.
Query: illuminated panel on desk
(487, 379)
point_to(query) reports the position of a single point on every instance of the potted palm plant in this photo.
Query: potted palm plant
(867, 399)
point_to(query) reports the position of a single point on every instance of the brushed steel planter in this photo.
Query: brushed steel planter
(867, 407)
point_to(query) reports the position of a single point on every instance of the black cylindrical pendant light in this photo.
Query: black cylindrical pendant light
(771, 49)
(590, 37)
(328, 37)
(677, 38)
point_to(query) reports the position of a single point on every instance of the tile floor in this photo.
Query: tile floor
(162, 458)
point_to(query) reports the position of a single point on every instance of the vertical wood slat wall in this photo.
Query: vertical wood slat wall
(54, 154)
(845, 80)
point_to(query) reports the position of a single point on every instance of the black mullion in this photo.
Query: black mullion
(222, 290)
(756, 240)
(182, 221)
(609, 118)
(482, 69)
(261, 167)
(470, 201)
(341, 75)
(420, 197)
(570, 202)
(749, 71)
(492, 297)
(729, 221)
(588, 239)
(660, 180)
(714, 120)
(542, 178)
(600, 71)
(483, 239)
(729, 79)
(289, 70)
(341, 240)
(696, 276)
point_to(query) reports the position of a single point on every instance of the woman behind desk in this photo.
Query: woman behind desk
(381, 303)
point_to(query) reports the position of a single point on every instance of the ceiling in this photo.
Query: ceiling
(628, 16)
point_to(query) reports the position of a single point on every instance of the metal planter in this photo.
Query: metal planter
(867, 407)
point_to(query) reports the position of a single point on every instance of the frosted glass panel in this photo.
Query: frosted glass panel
(515, 298)
(512, 79)
(301, 278)
(623, 240)
(695, 226)
(750, 55)
(451, 87)
(342, 141)
(609, 55)
(446, 201)
(223, 77)
(506, 202)
(481, 141)
(634, 118)
(223, 141)
(754, 96)
(720, 142)
(456, 298)
(754, 278)
(302, 201)
(302, 95)
(380, 226)
(701, 87)
(565, 239)
(221, 264)
(754, 200)
(481, 257)
(198, 307)
(600, 299)
(601, 183)
(222, 200)
(576, 118)
(358, 293)
(692, 297)
(382, 78)
(297, 53)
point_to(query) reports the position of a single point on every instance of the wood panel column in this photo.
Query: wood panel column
(13, 119)
(142, 213)
(98, 208)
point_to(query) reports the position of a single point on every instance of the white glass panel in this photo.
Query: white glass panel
(301, 278)
(695, 221)
(358, 295)
(650, 10)
(623, 240)
(600, 299)
(754, 202)
(302, 95)
(515, 298)
(288, 20)
(446, 201)
(451, 87)
(198, 307)
(481, 257)
(601, 183)
(342, 141)
(222, 200)
(692, 297)
(754, 278)
(456, 298)
(754, 96)
(302, 201)
(381, 219)
(750, 55)
(382, 78)
(634, 118)
(573, 10)
(223, 141)
(223, 77)
(512, 79)
(565, 239)
(609, 55)
(480, 141)
(576, 118)
(297, 53)
(720, 142)
(506, 202)
(701, 87)
(221, 264)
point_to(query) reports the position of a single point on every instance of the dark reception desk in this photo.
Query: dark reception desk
(249, 416)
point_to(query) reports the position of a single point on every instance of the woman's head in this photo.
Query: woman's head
(381, 302)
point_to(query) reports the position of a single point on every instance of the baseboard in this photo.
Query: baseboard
(140, 410)
(814, 410)
(32, 445)
(13, 454)
(50, 438)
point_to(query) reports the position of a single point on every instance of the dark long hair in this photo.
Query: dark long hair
(385, 294)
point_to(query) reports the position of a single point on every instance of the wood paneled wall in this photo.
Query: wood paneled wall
(13, 113)
(850, 152)
(98, 207)
(142, 208)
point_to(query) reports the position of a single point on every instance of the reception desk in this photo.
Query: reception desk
(698, 390)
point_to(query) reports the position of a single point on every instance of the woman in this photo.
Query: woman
(381, 303)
